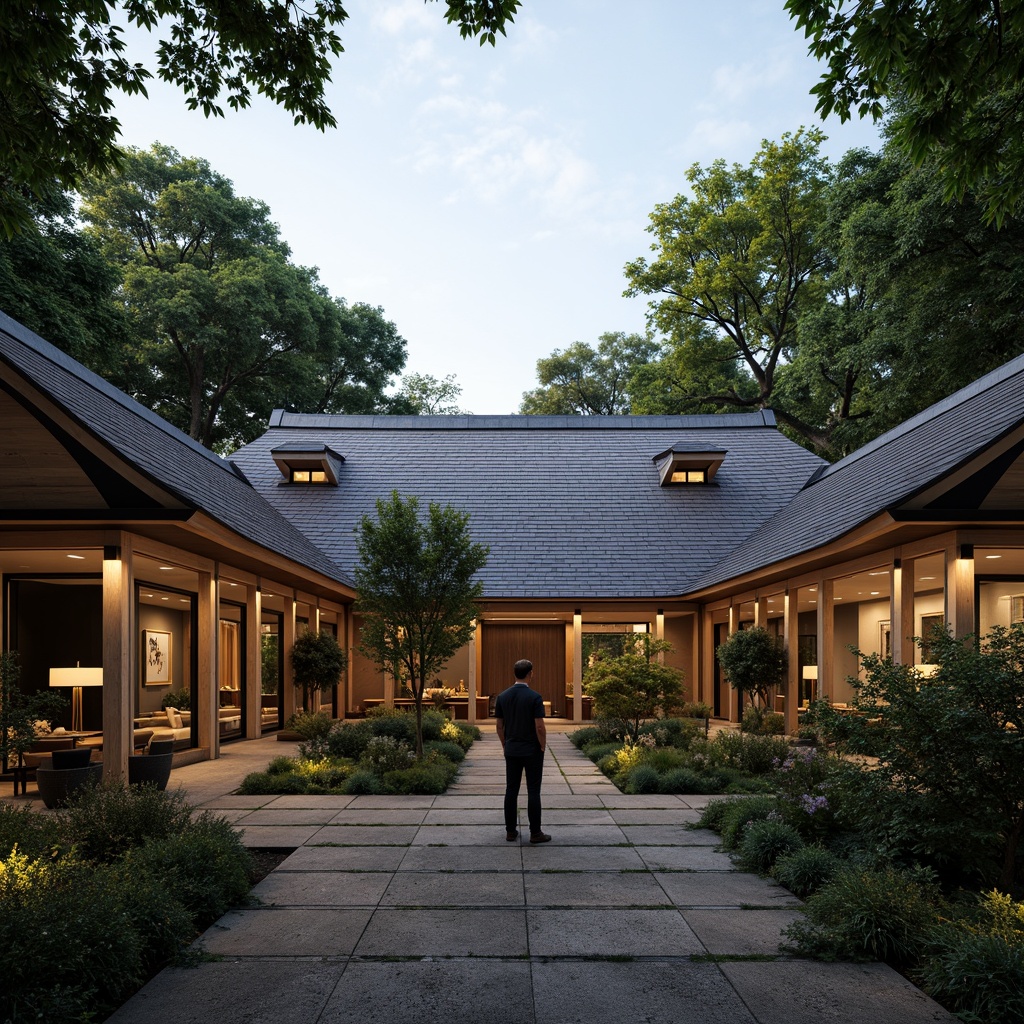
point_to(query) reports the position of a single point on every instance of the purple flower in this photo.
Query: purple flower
(812, 804)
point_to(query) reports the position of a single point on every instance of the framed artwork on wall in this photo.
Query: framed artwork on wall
(156, 657)
(1016, 609)
(928, 625)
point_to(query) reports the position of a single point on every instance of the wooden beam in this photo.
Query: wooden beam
(118, 688)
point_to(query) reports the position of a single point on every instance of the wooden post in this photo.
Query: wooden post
(826, 638)
(577, 665)
(288, 642)
(207, 692)
(960, 589)
(253, 663)
(471, 682)
(791, 641)
(118, 630)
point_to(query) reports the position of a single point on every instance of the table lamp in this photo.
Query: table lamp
(76, 677)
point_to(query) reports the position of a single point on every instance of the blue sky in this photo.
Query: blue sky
(488, 199)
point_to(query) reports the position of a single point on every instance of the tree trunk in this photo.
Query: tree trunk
(1010, 856)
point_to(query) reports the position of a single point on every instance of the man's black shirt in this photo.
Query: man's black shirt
(518, 707)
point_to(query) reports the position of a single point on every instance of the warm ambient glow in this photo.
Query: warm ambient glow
(810, 672)
(79, 557)
(309, 476)
(689, 476)
(76, 677)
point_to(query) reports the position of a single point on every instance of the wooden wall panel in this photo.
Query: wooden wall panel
(503, 645)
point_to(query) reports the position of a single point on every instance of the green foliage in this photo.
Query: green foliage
(685, 780)
(949, 783)
(346, 739)
(205, 867)
(673, 732)
(883, 914)
(281, 765)
(318, 663)
(950, 71)
(106, 821)
(713, 815)
(588, 736)
(34, 834)
(642, 778)
(806, 781)
(363, 782)
(756, 755)
(428, 396)
(264, 784)
(430, 776)
(180, 699)
(224, 327)
(633, 687)
(739, 814)
(20, 712)
(312, 726)
(586, 381)
(445, 748)
(975, 965)
(806, 869)
(764, 842)
(764, 723)
(417, 593)
(753, 660)
(385, 754)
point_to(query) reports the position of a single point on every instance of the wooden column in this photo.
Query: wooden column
(118, 630)
(577, 665)
(471, 681)
(253, 663)
(350, 640)
(694, 671)
(207, 693)
(791, 641)
(731, 694)
(960, 589)
(826, 638)
(707, 657)
(659, 631)
(288, 642)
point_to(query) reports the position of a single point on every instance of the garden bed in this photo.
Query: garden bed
(372, 755)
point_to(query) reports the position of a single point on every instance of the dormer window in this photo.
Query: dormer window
(311, 465)
(683, 466)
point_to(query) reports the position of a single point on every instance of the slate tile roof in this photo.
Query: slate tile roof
(885, 473)
(199, 479)
(570, 507)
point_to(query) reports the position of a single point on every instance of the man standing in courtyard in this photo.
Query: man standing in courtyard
(520, 724)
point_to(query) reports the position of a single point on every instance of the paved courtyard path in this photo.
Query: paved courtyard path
(410, 909)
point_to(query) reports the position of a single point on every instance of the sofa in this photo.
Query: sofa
(169, 724)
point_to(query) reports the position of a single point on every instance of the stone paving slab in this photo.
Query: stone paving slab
(556, 857)
(572, 816)
(380, 816)
(492, 816)
(586, 835)
(383, 802)
(723, 889)
(595, 889)
(623, 801)
(455, 992)
(306, 800)
(344, 858)
(653, 993)
(277, 837)
(445, 932)
(289, 816)
(660, 835)
(428, 889)
(250, 992)
(654, 816)
(322, 888)
(365, 835)
(460, 835)
(230, 800)
(610, 932)
(831, 994)
(685, 858)
(271, 931)
(743, 933)
(450, 859)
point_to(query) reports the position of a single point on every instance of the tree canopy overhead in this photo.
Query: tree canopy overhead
(225, 326)
(950, 75)
(64, 62)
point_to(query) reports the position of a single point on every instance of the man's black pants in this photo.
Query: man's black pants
(533, 765)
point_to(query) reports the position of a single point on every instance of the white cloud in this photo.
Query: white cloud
(395, 18)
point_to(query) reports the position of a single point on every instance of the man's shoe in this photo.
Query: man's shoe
(511, 837)
(540, 837)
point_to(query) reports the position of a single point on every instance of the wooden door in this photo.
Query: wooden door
(504, 645)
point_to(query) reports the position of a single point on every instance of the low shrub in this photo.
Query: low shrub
(679, 780)
(460, 732)
(427, 777)
(282, 765)
(34, 834)
(693, 709)
(363, 783)
(106, 821)
(673, 732)
(587, 736)
(394, 722)
(445, 748)
(265, 784)
(310, 725)
(86, 959)
(740, 813)
(714, 814)
(386, 754)
(642, 779)
(597, 752)
(764, 842)
(886, 914)
(346, 739)
(206, 868)
(806, 870)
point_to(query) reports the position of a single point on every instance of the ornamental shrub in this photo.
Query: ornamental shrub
(310, 725)
(588, 735)
(281, 765)
(740, 813)
(764, 842)
(426, 777)
(806, 870)
(363, 782)
(34, 834)
(885, 914)
(643, 778)
(713, 815)
(452, 751)
(265, 784)
(346, 739)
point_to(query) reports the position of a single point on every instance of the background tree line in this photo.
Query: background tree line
(184, 295)
(843, 297)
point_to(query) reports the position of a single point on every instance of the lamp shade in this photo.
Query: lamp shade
(76, 676)
(810, 672)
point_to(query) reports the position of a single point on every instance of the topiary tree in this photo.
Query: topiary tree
(318, 662)
(754, 662)
(631, 687)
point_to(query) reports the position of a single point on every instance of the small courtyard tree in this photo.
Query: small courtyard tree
(318, 662)
(22, 716)
(417, 592)
(754, 662)
(633, 686)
